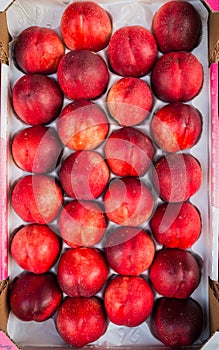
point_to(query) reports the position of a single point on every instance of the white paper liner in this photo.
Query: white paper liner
(4, 171)
(24, 13)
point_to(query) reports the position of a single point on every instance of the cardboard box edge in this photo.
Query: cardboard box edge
(213, 57)
(213, 306)
(4, 38)
(4, 309)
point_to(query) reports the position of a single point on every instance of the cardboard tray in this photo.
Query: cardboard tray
(212, 7)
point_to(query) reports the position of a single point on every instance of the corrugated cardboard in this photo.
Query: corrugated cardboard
(213, 37)
(4, 39)
(3, 304)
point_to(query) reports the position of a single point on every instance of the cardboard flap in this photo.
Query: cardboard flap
(4, 38)
(4, 304)
(214, 306)
(214, 37)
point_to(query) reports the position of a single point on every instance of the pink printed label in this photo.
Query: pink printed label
(214, 136)
(214, 4)
(6, 343)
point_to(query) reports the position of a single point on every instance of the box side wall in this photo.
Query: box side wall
(214, 37)
(4, 285)
(4, 40)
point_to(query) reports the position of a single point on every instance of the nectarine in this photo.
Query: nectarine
(177, 177)
(81, 320)
(129, 101)
(128, 201)
(177, 77)
(132, 51)
(86, 25)
(176, 26)
(176, 126)
(176, 322)
(82, 74)
(38, 50)
(37, 99)
(84, 175)
(82, 223)
(82, 125)
(128, 300)
(129, 152)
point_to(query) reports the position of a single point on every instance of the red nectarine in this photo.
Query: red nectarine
(176, 225)
(35, 248)
(37, 99)
(177, 77)
(176, 26)
(35, 297)
(128, 201)
(82, 271)
(128, 300)
(177, 177)
(84, 175)
(129, 101)
(82, 125)
(38, 50)
(37, 198)
(176, 322)
(85, 25)
(129, 250)
(81, 320)
(82, 74)
(36, 149)
(132, 51)
(175, 273)
(82, 223)
(176, 126)
(129, 152)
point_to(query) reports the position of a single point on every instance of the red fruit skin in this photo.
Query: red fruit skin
(129, 152)
(129, 250)
(82, 223)
(132, 51)
(176, 225)
(176, 126)
(35, 297)
(128, 201)
(37, 99)
(176, 322)
(37, 198)
(36, 149)
(129, 101)
(179, 69)
(82, 271)
(178, 279)
(177, 177)
(85, 25)
(176, 26)
(82, 74)
(38, 50)
(82, 125)
(84, 175)
(128, 300)
(35, 248)
(81, 321)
